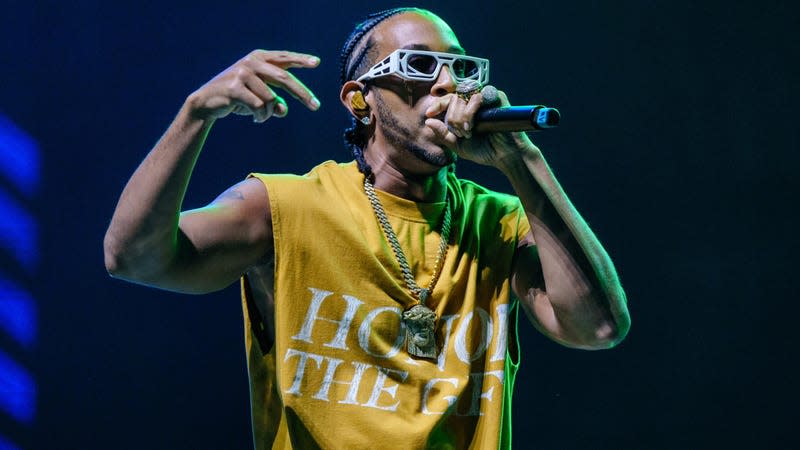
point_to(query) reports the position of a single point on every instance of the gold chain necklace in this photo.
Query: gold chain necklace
(419, 320)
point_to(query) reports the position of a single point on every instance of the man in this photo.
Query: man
(376, 293)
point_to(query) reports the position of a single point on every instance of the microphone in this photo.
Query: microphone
(513, 118)
(516, 118)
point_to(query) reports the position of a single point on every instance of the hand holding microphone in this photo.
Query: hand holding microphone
(490, 119)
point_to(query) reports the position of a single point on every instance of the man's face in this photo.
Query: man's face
(401, 104)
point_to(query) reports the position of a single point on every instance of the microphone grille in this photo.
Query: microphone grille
(490, 96)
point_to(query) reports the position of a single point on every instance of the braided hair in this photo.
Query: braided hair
(352, 65)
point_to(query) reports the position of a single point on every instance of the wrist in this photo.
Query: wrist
(518, 156)
(193, 110)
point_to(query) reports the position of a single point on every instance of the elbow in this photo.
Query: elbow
(140, 260)
(620, 325)
(130, 263)
(112, 264)
(609, 334)
(601, 334)
(112, 256)
(613, 327)
(119, 258)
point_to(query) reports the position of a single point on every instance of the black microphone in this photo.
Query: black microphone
(516, 118)
(513, 118)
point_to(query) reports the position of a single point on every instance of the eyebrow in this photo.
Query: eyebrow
(453, 48)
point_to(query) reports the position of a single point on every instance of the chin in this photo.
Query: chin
(434, 155)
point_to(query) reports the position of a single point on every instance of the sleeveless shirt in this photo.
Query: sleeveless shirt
(337, 374)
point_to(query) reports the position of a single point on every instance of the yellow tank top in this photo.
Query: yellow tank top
(337, 375)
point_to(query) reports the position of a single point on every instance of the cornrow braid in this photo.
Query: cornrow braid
(350, 66)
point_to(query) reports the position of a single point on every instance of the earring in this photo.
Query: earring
(358, 103)
(360, 107)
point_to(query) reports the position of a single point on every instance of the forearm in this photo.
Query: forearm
(142, 236)
(580, 280)
(148, 240)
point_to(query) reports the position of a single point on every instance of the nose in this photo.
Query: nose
(445, 82)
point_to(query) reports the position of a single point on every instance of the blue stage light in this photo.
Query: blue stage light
(18, 232)
(19, 157)
(19, 178)
(17, 390)
(17, 313)
(6, 445)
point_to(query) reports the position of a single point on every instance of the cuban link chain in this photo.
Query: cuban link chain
(419, 319)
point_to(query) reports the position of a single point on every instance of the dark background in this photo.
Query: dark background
(678, 144)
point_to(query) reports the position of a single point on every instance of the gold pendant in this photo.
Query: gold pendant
(420, 324)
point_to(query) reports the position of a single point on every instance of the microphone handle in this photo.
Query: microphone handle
(516, 118)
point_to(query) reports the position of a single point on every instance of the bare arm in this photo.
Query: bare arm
(566, 281)
(149, 240)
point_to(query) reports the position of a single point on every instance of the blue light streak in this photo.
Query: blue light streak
(17, 313)
(6, 445)
(20, 173)
(18, 232)
(17, 390)
(19, 157)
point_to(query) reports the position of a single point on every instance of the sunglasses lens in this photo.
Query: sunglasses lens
(465, 68)
(424, 64)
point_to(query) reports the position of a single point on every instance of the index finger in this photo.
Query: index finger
(286, 59)
(474, 103)
(275, 76)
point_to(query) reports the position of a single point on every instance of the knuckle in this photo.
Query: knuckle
(241, 72)
(282, 76)
(234, 85)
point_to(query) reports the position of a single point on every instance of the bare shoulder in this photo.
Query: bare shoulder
(246, 203)
(251, 191)
(230, 234)
(216, 244)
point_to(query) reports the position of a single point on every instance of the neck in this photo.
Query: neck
(419, 187)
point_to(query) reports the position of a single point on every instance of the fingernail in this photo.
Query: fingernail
(315, 103)
(466, 126)
(313, 60)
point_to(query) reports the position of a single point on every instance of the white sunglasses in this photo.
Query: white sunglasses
(423, 65)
